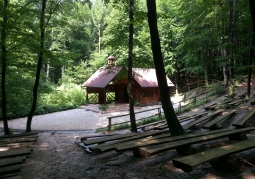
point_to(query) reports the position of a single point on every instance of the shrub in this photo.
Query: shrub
(103, 107)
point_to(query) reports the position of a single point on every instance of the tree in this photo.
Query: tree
(171, 118)
(252, 11)
(4, 59)
(130, 63)
(43, 24)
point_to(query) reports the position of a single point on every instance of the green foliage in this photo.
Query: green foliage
(103, 107)
(136, 103)
(66, 96)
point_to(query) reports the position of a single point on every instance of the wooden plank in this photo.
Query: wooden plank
(240, 122)
(154, 149)
(18, 135)
(15, 145)
(225, 101)
(235, 102)
(183, 120)
(11, 161)
(9, 169)
(109, 138)
(14, 152)
(218, 119)
(193, 123)
(206, 107)
(150, 124)
(18, 176)
(110, 145)
(188, 163)
(194, 116)
(152, 141)
(17, 140)
(94, 136)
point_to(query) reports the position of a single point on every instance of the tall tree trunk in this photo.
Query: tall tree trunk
(252, 10)
(171, 118)
(39, 66)
(130, 64)
(4, 59)
(232, 34)
(205, 68)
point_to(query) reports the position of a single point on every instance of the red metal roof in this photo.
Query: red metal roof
(147, 77)
(102, 77)
(144, 77)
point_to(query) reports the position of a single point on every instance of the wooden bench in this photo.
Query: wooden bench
(213, 123)
(142, 137)
(186, 119)
(143, 127)
(118, 138)
(153, 141)
(242, 94)
(241, 122)
(236, 102)
(188, 163)
(204, 118)
(210, 106)
(224, 103)
(182, 144)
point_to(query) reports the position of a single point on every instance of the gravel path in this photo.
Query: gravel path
(75, 119)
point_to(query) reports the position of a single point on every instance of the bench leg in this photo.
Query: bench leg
(241, 136)
(228, 162)
(186, 150)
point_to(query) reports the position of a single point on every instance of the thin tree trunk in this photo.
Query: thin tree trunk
(39, 66)
(171, 118)
(4, 59)
(130, 64)
(252, 10)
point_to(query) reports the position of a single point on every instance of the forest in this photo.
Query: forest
(49, 48)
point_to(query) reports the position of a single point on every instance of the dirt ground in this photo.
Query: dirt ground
(57, 156)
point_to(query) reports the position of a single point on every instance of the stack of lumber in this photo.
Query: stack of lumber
(13, 152)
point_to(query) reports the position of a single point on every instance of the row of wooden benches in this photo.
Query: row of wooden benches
(13, 151)
(150, 143)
